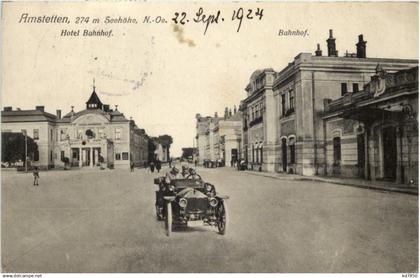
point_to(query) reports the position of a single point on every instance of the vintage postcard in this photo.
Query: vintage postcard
(228, 137)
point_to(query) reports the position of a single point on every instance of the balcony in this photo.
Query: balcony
(256, 121)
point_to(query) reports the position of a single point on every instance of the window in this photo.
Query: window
(355, 87)
(51, 155)
(79, 133)
(292, 99)
(101, 133)
(261, 154)
(36, 134)
(337, 149)
(124, 156)
(51, 134)
(343, 89)
(283, 104)
(62, 156)
(118, 133)
(63, 134)
(117, 156)
(292, 154)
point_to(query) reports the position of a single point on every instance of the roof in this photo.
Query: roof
(94, 98)
(26, 116)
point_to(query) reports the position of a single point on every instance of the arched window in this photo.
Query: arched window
(337, 150)
(292, 150)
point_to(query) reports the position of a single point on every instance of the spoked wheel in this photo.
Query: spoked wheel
(222, 218)
(159, 213)
(168, 218)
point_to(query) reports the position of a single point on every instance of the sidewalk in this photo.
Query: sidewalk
(377, 185)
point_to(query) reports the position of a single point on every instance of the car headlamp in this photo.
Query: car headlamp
(213, 202)
(208, 187)
(183, 202)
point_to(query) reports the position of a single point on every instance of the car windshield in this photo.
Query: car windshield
(181, 183)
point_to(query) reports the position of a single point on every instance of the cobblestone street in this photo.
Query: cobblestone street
(104, 221)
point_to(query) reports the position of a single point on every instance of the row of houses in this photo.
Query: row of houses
(349, 116)
(95, 136)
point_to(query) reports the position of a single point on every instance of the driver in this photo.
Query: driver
(193, 174)
(171, 175)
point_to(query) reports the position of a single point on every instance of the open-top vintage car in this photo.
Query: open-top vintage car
(190, 200)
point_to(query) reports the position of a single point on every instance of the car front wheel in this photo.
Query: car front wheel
(222, 218)
(168, 218)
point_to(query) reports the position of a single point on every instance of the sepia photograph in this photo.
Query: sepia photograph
(209, 137)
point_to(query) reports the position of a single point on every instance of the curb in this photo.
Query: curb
(302, 178)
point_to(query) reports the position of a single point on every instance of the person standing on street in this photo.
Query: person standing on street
(132, 166)
(158, 165)
(152, 166)
(36, 176)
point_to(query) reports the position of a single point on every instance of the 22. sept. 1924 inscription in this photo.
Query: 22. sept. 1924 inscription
(239, 15)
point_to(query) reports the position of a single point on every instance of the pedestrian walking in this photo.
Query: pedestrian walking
(132, 166)
(152, 166)
(158, 165)
(36, 176)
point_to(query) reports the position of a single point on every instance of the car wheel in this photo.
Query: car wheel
(222, 219)
(168, 218)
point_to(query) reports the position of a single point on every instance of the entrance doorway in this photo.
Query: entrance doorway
(86, 157)
(284, 153)
(75, 156)
(389, 145)
(361, 155)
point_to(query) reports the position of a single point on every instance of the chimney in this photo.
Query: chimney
(58, 114)
(361, 47)
(39, 108)
(234, 109)
(332, 52)
(226, 112)
(7, 108)
(318, 51)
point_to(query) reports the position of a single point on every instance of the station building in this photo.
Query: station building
(283, 111)
(373, 133)
(92, 137)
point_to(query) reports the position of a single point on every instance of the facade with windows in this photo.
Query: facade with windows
(373, 133)
(92, 137)
(283, 111)
(219, 138)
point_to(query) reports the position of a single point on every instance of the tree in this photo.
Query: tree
(13, 147)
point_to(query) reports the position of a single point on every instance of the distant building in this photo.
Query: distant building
(86, 138)
(283, 111)
(373, 133)
(219, 137)
(189, 153)
(162, 145)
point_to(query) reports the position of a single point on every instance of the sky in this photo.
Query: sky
(163, 74)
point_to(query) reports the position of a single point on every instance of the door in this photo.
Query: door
(361, 155)
(284, 154)
(389, 144)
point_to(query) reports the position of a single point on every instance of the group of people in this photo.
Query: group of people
(155, 164)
